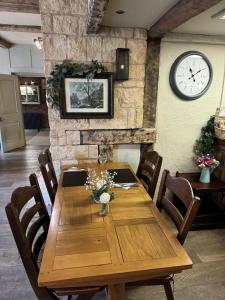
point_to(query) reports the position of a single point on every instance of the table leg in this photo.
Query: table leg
(116, 292)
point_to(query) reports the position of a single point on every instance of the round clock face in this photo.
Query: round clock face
(190, 75)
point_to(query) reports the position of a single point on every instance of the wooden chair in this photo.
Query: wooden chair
(148, 170)
(48, 173)
(182, 189)
(30, 227)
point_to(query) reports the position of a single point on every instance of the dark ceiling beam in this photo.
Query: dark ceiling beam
(23, 6)
(20, 28)
(178, 14)
(96, 10)
(5, 44)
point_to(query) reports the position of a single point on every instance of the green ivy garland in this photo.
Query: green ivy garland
(67, 68)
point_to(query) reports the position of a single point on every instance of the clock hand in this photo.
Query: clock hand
(193, 75)
(199, 71)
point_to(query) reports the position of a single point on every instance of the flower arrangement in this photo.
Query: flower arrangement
(99, 184)
(207, 161)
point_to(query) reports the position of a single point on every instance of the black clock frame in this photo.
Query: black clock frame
(173, 72)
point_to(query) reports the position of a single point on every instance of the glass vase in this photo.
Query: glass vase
(104, 209)
(205, 175)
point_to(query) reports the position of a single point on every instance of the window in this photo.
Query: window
(30, 94)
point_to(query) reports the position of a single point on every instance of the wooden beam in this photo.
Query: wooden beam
(23, 6)
(178, 14)
(151, 82)
(5, 44)
(20, 28)
(96, 10)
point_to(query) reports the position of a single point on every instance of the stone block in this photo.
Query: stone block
(76, 48)
(137, 51)
(55, 6)
(68, 162)
(120, 32)
(131, 84)
(93, 151)
(47, 68)
(109, 68)
(55, 47)
(130, 97)
(72, 137)
(139, 117)
(109, 46)
(65, 25)
(79, 7)
(61, 137)
(82, 28)
(131, 120)
(140, 33)
(94, 48)
(137, 72)
(46, 23)
(104, 31)
(70, 152)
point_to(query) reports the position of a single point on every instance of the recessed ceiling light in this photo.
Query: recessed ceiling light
(120, 12)
(220, 15)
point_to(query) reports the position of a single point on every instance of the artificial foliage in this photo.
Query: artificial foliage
(67, 68)
(205, 144)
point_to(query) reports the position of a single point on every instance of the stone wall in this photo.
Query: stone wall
(65, 37)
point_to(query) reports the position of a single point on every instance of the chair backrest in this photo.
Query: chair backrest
(48, 173)
(29, 222)
(148, 170)
(180, 187)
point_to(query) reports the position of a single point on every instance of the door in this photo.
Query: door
(11, 120)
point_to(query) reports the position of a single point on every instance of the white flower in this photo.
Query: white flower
(100, 184)
(104, 198)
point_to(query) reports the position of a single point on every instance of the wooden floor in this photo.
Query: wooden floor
(207, 248)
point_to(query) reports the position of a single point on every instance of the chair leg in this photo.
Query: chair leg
(168, 291)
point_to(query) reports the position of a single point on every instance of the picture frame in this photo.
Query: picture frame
(81, 98)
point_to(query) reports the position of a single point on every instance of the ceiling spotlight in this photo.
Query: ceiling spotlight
(38, 43)
(120, 12)
(220, 15)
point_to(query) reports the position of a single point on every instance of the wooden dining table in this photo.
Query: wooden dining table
(133, 242)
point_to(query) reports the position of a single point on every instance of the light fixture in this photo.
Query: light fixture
(220, 15)
(122, 64)
(120, 12)
(38, 43)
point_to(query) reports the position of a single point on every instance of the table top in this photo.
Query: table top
(213, 185)
(131, 243)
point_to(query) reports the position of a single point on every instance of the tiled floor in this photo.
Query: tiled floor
(207, 248)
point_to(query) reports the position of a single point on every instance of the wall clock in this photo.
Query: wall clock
(190, 75)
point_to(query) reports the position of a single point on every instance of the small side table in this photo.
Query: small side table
(209, 215)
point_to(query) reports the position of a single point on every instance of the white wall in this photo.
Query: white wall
(21, 59)
(179, 122)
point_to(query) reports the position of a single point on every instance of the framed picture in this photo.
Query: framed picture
(82, 98)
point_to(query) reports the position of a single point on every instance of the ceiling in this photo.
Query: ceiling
(144, 13)
(204, 24)
(19, 19)
(138, 13)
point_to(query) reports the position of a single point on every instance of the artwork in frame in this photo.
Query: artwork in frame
(87, 98)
